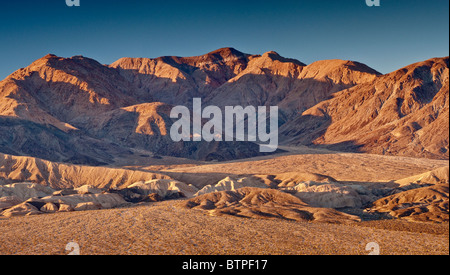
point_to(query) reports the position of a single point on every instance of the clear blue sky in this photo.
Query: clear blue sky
(398, 33)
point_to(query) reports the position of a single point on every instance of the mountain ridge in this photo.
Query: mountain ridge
(390, 114)
(78, 99)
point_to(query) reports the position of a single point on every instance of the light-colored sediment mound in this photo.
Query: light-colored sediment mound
(58, 175)
(164, 188)
(106, 200)
(51, 204)
(293, 178)
(232, 184)
(87, 189)
(23, 209)
(325, 193)
(49, 207)
(8, 202)
(330, 195)
(16, 198)
(437, 176)
(265, 203)
(423, 204)
(24, 190)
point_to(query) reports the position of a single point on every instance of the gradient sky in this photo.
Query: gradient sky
(386, 38)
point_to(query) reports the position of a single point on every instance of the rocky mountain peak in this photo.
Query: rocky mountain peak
(274, 56)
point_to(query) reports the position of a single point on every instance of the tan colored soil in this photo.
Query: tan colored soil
(166, 228)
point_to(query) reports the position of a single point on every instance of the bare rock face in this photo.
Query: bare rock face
(79, 111)
(402, 113)
(265, 204)
(154, 197)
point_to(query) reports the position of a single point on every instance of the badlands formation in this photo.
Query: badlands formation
(85, 156)
(285, 213)
(421, 197)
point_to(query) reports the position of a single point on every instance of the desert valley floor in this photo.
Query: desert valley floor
(164, 228)
(170, 228)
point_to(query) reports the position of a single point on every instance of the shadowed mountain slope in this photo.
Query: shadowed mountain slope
(79, 111)
(402, 113)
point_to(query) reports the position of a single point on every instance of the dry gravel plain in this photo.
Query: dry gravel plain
(166, 228)
(341, 166)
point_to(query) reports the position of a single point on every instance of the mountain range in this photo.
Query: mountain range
(76, 110)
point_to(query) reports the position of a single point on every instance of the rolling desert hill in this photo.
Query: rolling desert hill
(59, 175)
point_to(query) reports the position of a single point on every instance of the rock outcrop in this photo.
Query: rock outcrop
(87, 189)
(292, 179)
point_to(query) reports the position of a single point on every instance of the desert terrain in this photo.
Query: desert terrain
(86, 158)
(166, 229)
(171, 228)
